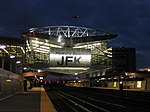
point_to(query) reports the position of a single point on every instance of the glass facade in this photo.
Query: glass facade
(12, 53)
(74, 49)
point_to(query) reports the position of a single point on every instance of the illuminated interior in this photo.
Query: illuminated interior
(41, 41)
(12, 53)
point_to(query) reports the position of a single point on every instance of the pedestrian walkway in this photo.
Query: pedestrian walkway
(34, 100)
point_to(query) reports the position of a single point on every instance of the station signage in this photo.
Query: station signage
(69, 57)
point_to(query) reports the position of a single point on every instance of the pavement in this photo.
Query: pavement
(33, 100)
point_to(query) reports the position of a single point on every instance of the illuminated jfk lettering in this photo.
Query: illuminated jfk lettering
(65, 60)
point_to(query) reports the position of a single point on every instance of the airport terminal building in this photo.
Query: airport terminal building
(79, 53)
(68, 49)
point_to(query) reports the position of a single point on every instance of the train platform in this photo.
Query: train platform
(33, 100)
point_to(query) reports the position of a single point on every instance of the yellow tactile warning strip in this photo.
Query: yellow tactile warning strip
(46, 104)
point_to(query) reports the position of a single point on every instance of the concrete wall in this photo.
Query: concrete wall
(10, 83)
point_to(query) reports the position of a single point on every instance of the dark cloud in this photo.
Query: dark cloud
(129, 19)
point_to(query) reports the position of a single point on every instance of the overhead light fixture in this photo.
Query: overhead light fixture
(75, 73)
(44, 47)
(12, 56)
(6, 50)
(39, 71)
(8, 80)
(2, 46)
(41, 51)
(41, 78)
(18, 62)
(25, 68)
(59, 38)
(37, 42)
(57, 46)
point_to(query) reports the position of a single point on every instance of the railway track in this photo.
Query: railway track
(66, 100)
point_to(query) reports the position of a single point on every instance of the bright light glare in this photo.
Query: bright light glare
(139, 84)
(18, 62)
(2, 46)
(75, 73)
(41, 77)
(8, 80)
(25, 68)
(39, 70)
(120, 82)
(59, 38)
(12, 56)
(115, 84)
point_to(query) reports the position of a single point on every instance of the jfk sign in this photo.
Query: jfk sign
(68, 57)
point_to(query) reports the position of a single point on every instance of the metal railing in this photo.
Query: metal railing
(68, 31)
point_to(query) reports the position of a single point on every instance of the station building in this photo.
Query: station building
(12, 53)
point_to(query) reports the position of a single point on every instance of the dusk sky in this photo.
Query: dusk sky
(130, 19)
